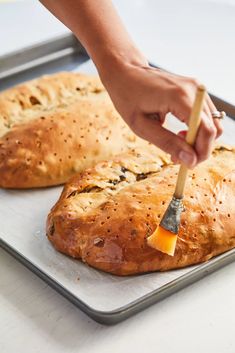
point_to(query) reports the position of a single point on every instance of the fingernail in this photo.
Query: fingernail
(187, 158)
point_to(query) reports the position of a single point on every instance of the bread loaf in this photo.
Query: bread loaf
(105, 214)
(55, 126)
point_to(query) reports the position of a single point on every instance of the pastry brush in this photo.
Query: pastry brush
(165, 236)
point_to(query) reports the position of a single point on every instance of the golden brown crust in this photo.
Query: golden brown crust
(105, 214)
(55, 126)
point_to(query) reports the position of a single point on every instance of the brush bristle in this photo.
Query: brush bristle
(163, 240)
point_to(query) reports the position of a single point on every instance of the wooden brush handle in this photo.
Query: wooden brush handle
(194, 122)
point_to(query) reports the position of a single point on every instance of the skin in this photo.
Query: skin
(142, 95)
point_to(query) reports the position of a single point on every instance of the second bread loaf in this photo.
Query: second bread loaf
(55, 126)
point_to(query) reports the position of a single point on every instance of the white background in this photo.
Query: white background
(190, 37)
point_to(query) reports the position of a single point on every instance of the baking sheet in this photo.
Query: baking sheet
(106, 298)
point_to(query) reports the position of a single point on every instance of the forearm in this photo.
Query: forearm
(99, 28)
(137, 90)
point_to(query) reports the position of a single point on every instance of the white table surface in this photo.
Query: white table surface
(199, 318)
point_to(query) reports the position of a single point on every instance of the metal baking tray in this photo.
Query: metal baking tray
(106, 298)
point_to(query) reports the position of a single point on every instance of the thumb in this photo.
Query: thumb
(166, 140)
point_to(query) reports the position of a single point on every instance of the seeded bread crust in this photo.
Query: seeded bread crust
(55, 126)
(105, 214)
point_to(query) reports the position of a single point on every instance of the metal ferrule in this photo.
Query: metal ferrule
(171, 218)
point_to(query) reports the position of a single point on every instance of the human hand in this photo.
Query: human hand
(143, 95)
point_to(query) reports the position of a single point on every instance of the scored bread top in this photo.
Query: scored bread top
(27, 101)
(55, 126)
(105, 214)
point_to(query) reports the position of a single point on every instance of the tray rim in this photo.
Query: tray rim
(49, 50)
(111, 317)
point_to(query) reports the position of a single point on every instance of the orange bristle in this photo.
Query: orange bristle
(163, 240)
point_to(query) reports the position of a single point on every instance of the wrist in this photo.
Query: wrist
(112, 62)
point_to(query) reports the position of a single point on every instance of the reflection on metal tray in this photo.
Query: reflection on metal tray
(104, 297)
(63, 53)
